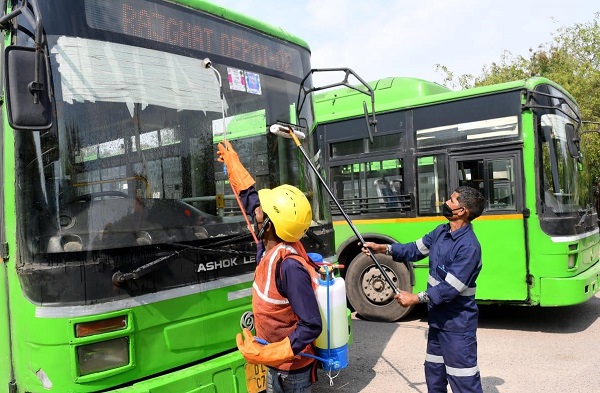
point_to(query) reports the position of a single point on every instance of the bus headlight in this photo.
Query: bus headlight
(572, 256)
(104, 355)
(572, 261)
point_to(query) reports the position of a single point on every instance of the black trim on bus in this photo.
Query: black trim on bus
(492, 147)
(546, 99)
(57, 23)
(86, 277)
(569, 224)
(374, 205)
(5, 254)
(406, 122)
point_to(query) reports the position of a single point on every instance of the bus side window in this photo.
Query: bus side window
(501, 184)
(347, 182)
(494, 178)
(431, 178)
(372, 186)
(386, 177)
(385, 193)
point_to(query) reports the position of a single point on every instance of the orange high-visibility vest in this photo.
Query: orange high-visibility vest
(273, 315)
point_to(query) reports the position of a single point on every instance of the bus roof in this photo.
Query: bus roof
(244, 20)
(402, 92)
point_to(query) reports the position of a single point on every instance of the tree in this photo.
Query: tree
(571, 59)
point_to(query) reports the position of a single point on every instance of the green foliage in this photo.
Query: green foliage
(571, 59)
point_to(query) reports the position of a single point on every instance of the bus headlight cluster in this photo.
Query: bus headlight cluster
(104, 355)
(572, 260)
(102, 346)
(572, 256)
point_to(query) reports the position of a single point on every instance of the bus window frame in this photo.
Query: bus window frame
(387, 124)
(433, 210)
(487, 156)
(367, 159)
(472, 110)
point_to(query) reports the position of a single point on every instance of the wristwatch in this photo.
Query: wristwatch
(388, 249)
(423, 297)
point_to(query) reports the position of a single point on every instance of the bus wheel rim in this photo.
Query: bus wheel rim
(374, 286)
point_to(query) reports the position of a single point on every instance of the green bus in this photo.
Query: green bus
(516, 142)
(124, 266)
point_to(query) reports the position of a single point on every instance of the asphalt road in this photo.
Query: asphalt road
(521, 349)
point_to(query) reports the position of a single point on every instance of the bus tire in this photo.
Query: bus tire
(368, 292)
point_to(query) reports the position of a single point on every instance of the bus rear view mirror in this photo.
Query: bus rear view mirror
(572, 140)
(27, 97)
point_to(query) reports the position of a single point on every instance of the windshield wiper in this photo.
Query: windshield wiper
(586, 213)
(119, 277)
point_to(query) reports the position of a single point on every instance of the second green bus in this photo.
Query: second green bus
(516, 142)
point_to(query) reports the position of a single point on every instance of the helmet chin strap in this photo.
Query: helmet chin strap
(262, 230)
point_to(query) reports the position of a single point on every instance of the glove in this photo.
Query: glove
(239, 177)
(271, 355)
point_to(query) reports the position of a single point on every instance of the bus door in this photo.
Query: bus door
(501, 229)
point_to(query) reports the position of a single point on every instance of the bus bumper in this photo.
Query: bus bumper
(570, 290)
(223, 374)
(226, 373)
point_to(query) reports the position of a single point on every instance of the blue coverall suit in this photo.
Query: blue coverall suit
(454, 264)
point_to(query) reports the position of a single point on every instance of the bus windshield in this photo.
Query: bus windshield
(129, 173)
(559, 167)
(145, 147)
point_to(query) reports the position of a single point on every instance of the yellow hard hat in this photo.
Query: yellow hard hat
(289, 210)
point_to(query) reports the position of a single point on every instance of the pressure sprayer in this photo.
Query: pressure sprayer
(332, 343)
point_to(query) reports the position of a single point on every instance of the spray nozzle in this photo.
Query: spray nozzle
(326, 272)
(284, 131)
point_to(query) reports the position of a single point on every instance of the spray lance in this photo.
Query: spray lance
(208, 64)
(288, 132)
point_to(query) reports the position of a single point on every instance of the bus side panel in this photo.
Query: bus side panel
(5, 360)
(504, 272)
(503, 276)
(224, 374)
(175, 334)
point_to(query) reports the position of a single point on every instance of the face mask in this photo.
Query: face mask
(447, 212)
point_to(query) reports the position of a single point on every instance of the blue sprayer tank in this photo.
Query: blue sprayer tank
(332, 343)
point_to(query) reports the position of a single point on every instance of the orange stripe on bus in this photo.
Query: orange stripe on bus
(427, 219)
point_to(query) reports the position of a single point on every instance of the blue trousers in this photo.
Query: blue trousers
(285, 382)
(452, 358)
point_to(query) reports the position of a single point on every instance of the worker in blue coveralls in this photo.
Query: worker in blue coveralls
(454, 264)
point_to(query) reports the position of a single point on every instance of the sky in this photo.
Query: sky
(382, 38)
